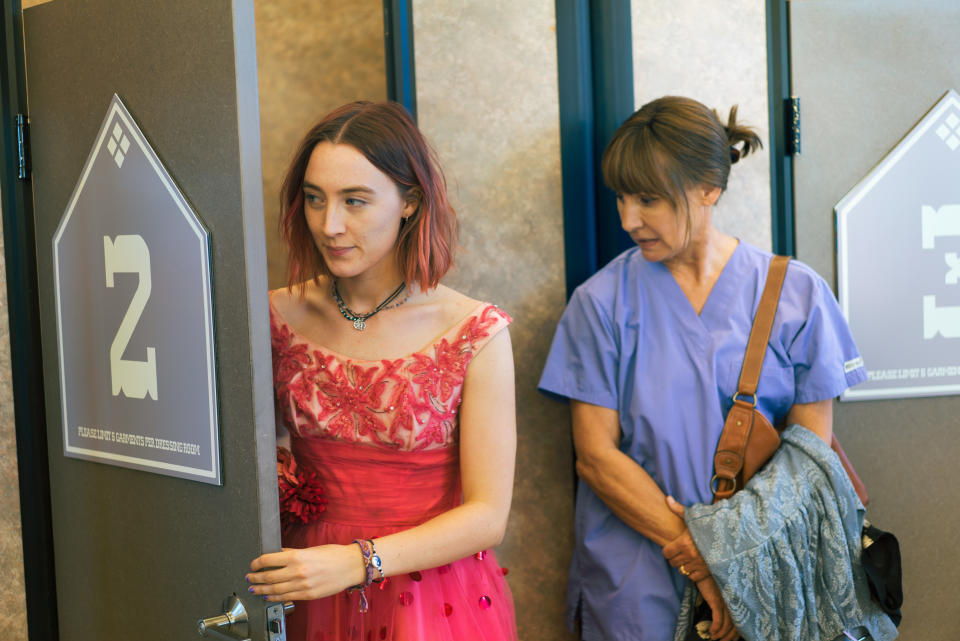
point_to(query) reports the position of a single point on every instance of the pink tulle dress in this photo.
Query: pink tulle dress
(382, 438)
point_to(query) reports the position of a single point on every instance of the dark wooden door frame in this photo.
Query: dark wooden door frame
(595, 80)
(25, 351)
(398, 46)
(781, 160)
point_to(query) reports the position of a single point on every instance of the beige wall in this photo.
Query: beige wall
(13, 622)
(487, 100)
(312, 56)
(714, 52)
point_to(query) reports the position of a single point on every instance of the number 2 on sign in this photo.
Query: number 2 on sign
(129, 254)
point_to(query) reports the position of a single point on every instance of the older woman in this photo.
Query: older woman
(649, 351)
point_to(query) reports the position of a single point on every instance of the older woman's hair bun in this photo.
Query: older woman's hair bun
(741, 135)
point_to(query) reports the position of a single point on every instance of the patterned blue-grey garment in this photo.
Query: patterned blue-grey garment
(785, 550)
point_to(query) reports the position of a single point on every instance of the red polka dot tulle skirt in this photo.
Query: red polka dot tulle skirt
(372, 492)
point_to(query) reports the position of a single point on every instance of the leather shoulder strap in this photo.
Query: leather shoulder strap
(762, 325)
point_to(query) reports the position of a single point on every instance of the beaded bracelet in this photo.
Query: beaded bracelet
(376, 561)
(371, 563)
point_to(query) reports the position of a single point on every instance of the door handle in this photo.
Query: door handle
(229, 626)
(233, 624)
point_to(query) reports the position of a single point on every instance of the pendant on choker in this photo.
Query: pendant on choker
(359, 320)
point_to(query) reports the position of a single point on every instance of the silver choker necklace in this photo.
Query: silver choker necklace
(359, 320)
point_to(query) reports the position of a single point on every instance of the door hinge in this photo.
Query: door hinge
(792, 109)
(23, 148)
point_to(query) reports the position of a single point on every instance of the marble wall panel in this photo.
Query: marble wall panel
(12, 596)
(312, 56)
(487, 99)
(714, 52)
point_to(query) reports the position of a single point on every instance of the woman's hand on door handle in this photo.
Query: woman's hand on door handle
(308, 573)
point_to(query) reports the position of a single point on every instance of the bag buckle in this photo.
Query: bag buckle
(715, 484)
(753, 402)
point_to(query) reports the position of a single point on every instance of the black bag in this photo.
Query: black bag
(881, 562)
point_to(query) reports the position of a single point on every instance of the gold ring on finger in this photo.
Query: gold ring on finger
(684, 571)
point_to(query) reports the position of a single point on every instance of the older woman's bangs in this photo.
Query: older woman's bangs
(632, 165)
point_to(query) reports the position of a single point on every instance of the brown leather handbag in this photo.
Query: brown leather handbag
(748, 440)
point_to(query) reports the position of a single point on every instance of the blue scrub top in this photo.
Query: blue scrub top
(629, 340)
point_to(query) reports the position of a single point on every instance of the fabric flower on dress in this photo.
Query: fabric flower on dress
(301, 497)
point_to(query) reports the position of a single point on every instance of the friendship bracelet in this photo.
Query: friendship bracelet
(368, 575)
(372, 563)
(364, 604)
(366, 552)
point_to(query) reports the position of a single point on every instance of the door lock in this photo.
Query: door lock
(276, 628)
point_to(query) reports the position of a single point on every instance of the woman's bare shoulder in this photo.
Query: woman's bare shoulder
(294, 303)
(454, 305)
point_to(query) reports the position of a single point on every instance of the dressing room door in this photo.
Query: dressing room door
(866, 71)
(141, 555)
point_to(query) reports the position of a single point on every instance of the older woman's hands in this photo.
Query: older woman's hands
(722, 627)
(682, 552)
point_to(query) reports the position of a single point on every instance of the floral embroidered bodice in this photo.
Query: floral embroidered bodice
(409, 403)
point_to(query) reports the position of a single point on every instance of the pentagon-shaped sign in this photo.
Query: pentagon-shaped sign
(898, 263)
(134, 319)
